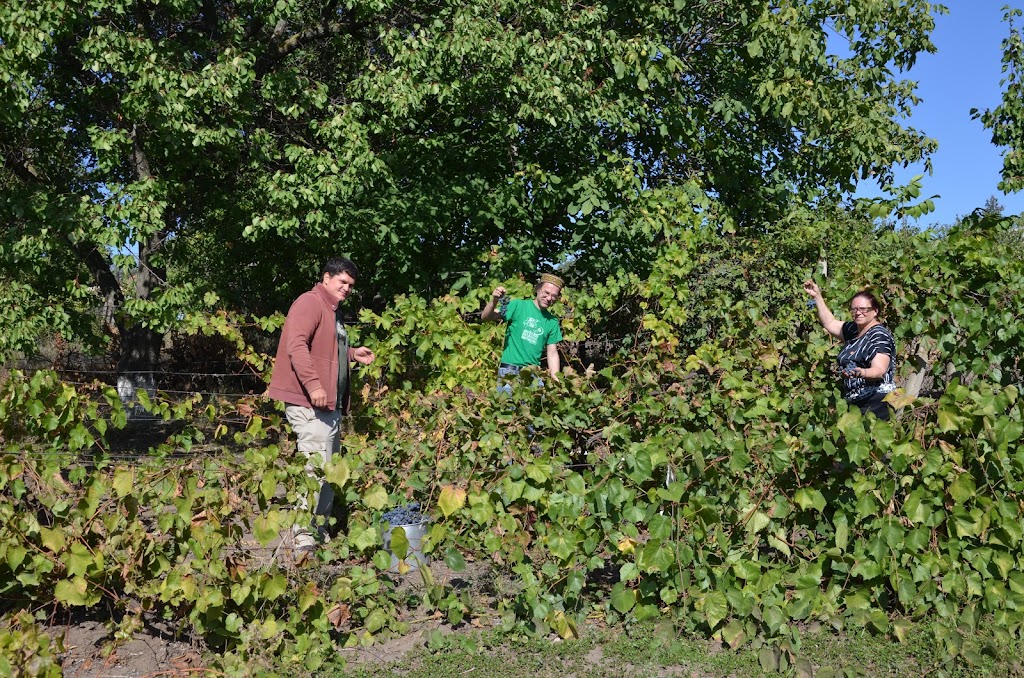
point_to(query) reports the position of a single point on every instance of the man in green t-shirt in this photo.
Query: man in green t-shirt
(532, 330)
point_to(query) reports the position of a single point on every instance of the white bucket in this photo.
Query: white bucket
(414, 533)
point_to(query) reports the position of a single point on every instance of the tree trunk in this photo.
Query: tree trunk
(140, 345)
(136, 367)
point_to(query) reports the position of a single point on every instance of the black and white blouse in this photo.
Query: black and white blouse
(859, 352)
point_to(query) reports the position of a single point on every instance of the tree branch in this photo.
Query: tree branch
(17, 161)
(280, 49)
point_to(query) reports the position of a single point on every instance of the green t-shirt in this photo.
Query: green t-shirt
(530, 330)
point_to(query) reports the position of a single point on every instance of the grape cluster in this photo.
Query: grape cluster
(503, 305)
(404, 515)
(811, 303)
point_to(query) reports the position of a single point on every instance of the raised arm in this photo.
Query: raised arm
(489, 313)
(831, 324)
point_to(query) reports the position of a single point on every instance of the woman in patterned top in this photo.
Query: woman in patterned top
(866, 360)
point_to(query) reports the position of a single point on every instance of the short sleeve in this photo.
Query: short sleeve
(849, 331)
(886, 344)
(510, 311)
(555, 335)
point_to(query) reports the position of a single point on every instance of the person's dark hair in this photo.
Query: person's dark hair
(867, 294)
(336, 265)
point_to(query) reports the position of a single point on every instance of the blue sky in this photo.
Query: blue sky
(963, 74)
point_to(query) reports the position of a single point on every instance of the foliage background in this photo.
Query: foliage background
(682, 163)
(708, 473)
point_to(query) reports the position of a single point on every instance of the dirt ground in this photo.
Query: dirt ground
(151, 652)
(155, 651)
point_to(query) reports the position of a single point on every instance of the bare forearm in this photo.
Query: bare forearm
(879, 366)
(488, 313)
(554, 360)
(825, 315)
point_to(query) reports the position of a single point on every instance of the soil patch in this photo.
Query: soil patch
(88, 652)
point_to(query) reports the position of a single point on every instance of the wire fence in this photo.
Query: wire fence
(152, 434)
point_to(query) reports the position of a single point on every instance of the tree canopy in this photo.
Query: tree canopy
(1006, 121)
(164, 156)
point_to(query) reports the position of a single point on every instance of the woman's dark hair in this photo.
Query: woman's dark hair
(336, 265)
(867, 294)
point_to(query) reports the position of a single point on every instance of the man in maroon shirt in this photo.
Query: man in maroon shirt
(311, 376)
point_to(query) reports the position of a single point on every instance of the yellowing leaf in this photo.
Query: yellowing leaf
(266, 528)
(269, 629)
(399, 544)
(124, 479)
(376, 497)
(627, 545)
(757, 521)
(900, 398)
(72, 591)
(733, 634)
(947, 420)
(564, 625)
(275, 586)
(451, 500)
(850, 420)
(52, 539)
(308, 595)
(901, 628)
(716, 607)
(337, 473)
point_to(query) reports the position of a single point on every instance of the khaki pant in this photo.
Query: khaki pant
(317, 439)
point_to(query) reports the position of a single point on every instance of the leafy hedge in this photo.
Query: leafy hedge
(708, 473)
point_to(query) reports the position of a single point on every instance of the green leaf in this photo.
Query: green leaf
(769, 659)
(266, 528)
(963, 488)
(805, 497)
(233, 622)
(363, 538)
(842, 532)
(399, 543)
(376, 620)
(561, 546)
(275, 586)
(454, 560)
(78, 559)
(757, 521)
(622, 599)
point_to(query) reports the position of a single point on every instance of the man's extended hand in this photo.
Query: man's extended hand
(363, 355)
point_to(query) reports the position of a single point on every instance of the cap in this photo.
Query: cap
(553, 279)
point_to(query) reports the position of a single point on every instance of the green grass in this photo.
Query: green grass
(655, 649)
